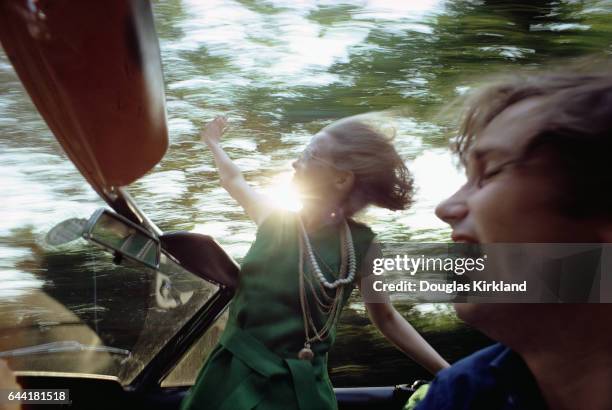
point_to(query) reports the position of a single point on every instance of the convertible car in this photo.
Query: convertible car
(93, 71)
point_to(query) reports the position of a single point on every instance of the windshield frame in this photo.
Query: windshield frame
(170, 355)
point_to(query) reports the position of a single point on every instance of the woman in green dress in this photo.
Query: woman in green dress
(300, 271)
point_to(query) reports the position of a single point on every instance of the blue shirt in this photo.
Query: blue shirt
(494, 378)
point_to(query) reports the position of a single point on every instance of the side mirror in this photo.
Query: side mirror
(123, 237)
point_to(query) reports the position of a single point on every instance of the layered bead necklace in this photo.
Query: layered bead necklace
(330, 306)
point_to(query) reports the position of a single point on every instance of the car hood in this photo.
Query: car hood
(93, 70)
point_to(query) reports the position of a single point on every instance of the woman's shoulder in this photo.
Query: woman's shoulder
(276, 231)
(276, 216)
(363, 237)
(277, 221)
(361, 227)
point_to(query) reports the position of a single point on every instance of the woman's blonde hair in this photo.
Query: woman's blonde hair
(381, 177)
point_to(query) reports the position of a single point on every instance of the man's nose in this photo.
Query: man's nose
(452, 209)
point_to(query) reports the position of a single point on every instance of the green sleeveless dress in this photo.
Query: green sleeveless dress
(255, 364)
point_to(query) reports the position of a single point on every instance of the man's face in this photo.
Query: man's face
(509, 198)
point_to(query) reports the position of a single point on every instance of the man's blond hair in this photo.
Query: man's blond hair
(575, 111)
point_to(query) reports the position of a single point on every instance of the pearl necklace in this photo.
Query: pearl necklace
(306, 353)
(350, 249)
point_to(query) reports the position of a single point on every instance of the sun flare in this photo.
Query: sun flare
(282, 193)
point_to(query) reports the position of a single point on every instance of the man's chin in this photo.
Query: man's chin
(467, 311)
(486, 314)
(500, 321)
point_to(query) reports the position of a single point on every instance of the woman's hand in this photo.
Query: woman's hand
(390, 323)
(401, 333)
(212, 132)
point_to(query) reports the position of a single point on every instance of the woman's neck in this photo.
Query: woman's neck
(317, 217)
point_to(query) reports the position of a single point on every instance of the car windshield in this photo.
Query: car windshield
(90, 316)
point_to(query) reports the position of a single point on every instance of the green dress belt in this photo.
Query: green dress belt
(260, 359)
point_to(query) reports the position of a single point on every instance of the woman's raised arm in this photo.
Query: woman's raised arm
(230, 176)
